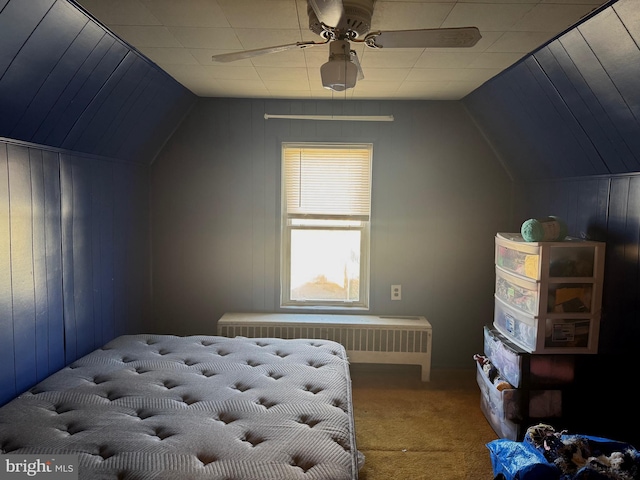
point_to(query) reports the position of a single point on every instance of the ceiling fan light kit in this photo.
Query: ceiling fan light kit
(339, 73)
(339, 23)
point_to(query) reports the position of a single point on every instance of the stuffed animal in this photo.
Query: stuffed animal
(578, 457)
(549, 229)
(545, 439)
(492, 373)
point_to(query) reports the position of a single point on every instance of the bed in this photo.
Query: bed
(194, 407)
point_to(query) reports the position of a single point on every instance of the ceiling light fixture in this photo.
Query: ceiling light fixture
(339, 73)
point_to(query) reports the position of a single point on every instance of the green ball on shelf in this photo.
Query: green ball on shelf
(549, 229)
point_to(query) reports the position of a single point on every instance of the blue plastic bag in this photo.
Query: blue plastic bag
(520, 461)
(523, 461)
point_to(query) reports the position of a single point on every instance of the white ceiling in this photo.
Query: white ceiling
(181, 36)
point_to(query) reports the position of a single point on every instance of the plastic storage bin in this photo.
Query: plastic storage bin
(500, 407)
(505, 402)
(533, 297)
(520, 368)
(549, 333)
(572, 257)
(503, 428)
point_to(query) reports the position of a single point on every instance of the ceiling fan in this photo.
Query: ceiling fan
(339, 23)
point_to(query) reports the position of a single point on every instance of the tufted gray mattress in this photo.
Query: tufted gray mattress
(196, 407)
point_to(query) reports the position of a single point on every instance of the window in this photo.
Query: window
(326, 206)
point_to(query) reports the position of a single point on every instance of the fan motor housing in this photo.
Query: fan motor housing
(358, 16)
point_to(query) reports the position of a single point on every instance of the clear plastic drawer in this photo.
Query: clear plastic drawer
(519, 367)
(569, 258)
(530, 297)
(548, 333)
(505, 403)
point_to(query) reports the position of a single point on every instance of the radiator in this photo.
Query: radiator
(366, 338)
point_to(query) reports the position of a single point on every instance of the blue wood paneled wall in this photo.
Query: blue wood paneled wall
(566, 124)
(74, 258)
(82, 116)
(571, 108)
(604, 208)
(67, 82)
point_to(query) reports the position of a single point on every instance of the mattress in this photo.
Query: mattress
(194, 407)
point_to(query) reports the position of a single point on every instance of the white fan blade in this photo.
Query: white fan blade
(232, 57)
(427, 38)
(329, 12)
(356, 62)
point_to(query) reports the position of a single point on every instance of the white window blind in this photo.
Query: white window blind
(328, 180)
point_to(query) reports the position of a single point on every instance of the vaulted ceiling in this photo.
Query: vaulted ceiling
(181, 37)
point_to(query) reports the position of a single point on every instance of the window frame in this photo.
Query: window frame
(287, 227)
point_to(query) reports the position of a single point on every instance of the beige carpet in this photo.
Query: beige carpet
(411, 430)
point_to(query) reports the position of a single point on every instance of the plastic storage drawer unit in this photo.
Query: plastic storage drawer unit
(549, 294)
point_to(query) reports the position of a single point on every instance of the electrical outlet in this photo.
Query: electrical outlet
(396, 292)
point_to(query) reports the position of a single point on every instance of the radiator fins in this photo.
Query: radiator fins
(353, 339)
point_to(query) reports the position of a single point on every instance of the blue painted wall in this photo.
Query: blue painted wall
(438, 197)
(571, 108)
(67, 82)
(74, 242)
(566, 124)
(82, 116)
